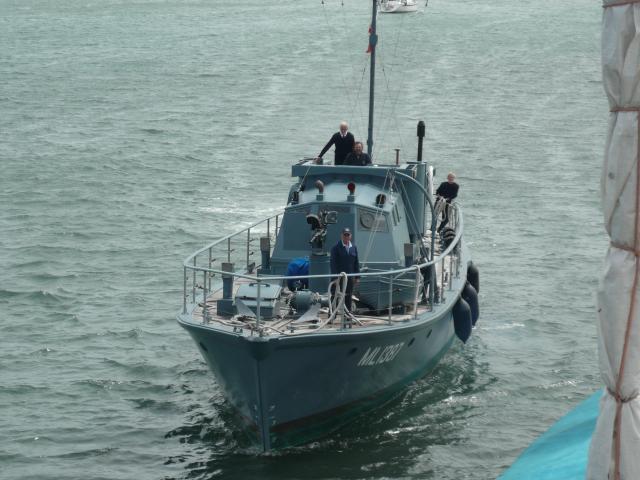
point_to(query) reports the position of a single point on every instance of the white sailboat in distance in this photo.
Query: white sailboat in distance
(398, 6)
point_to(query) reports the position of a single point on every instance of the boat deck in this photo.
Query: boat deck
(289, 324)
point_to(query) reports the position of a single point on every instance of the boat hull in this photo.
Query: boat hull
(293, 389)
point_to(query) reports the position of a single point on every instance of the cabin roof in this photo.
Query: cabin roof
(370, 182)
(309, 169)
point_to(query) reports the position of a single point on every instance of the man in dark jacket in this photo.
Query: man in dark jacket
(343, 141)
(344, 258)
(357, 157)
(447, 191)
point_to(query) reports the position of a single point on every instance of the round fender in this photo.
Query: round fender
(471, 297)
(473, 276)
(462, 323)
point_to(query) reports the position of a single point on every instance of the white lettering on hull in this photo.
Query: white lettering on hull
(380, 355)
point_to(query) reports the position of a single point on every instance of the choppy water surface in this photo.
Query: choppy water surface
(134, 132)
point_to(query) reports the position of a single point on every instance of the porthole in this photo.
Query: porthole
(371, 221)
(367, 219)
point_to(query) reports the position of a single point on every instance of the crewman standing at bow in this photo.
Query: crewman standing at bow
(344, 258)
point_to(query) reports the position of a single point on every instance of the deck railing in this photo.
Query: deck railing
(238, 248)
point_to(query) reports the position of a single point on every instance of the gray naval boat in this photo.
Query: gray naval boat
(273, 327)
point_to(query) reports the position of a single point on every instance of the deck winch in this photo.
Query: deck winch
(302, 300)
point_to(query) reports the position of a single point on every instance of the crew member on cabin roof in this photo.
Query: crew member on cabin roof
(447, 191)
(343, 141)
(357, 157)
(344, 258)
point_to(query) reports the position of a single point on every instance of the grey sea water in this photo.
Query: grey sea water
(132, 132)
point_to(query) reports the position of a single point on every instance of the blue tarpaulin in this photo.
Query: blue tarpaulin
(561, 452)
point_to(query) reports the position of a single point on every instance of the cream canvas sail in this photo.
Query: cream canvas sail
(615, 446)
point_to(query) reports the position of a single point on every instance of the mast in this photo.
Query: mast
(373, 39)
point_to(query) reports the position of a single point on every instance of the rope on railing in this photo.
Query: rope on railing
(339, 285)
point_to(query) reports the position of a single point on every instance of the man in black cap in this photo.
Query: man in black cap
(357, 157)
(344, 258)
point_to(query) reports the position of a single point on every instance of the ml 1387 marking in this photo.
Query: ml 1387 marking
(379, 355)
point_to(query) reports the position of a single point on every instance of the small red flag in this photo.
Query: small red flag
(372, 40)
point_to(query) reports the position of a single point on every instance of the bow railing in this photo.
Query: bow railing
(239, 249)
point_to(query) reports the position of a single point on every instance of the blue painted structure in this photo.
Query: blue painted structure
(561, 452)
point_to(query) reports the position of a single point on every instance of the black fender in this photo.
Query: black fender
(473, 276)
(470, 296)
(462, 322)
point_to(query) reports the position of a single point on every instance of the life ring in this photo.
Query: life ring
(462, 322)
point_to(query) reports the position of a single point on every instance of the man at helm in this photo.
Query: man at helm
(343, 141)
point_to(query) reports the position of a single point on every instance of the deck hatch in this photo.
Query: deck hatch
(269, 298)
